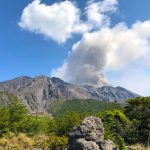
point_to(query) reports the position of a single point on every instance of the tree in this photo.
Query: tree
(138, 111)
(4, 120)
(17, 112)
(116, 126)
(32, 125)
(65, 123)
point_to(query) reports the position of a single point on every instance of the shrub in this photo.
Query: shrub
(138, 111)
(116, 126)
(20, 142)
(57, 143)
(66, 122)
(4, 120)
(41, 141)
(32, 125)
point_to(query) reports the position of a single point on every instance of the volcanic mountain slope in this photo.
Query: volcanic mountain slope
(37, 92)
(110, 94)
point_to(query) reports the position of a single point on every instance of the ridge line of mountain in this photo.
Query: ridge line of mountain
(36, 93)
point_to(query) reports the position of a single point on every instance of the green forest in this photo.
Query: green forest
(125, 124)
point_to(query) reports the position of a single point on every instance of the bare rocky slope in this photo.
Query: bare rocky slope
(37, 92)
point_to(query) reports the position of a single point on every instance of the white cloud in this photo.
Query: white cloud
(55, 21)
(97, 12)
(127, 45)
(60, 20)
(107, 49)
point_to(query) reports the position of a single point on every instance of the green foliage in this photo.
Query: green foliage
(138, 111)
(66, 122)
(121, 143)
(12, 142)
(51, 126)
(43, 132)
(17, 113)
(4, 120)
(60, 107)
(53, 142)
(11, 114)
(116, 126)
(57, 143)
(61, 125)
(32, 125)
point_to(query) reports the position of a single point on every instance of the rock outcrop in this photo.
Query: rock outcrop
(89, 135)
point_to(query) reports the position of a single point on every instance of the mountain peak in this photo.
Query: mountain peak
(57, 80)
(41, 77)
(23, 77)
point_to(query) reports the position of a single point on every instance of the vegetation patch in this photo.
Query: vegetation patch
(125, 126)
(90, 106)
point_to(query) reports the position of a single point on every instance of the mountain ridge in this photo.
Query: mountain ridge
(37, 92)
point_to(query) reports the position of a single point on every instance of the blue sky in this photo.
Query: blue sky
(24, 52)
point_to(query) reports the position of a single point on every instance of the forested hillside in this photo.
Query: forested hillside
(60, 107)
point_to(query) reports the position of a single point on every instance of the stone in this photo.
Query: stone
(82, 144)
(89, 135)
(91, 129)
(107, 145)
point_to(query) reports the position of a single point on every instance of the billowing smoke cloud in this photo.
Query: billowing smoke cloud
(85, 63)
(108, 48)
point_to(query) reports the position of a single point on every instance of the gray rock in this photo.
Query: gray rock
(89, 135)
(107, 145)
(82, 144)
(91, 129)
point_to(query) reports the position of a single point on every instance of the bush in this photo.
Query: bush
(41, 141)
(20, 142)
(4, 120)
(11, 115)
(57, 143)
(116, 126)
(65, 123)
(138, 111)
(32, 125)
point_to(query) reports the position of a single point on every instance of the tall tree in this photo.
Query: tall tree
(138, 111)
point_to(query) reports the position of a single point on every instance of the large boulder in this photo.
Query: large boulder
(89, 135)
